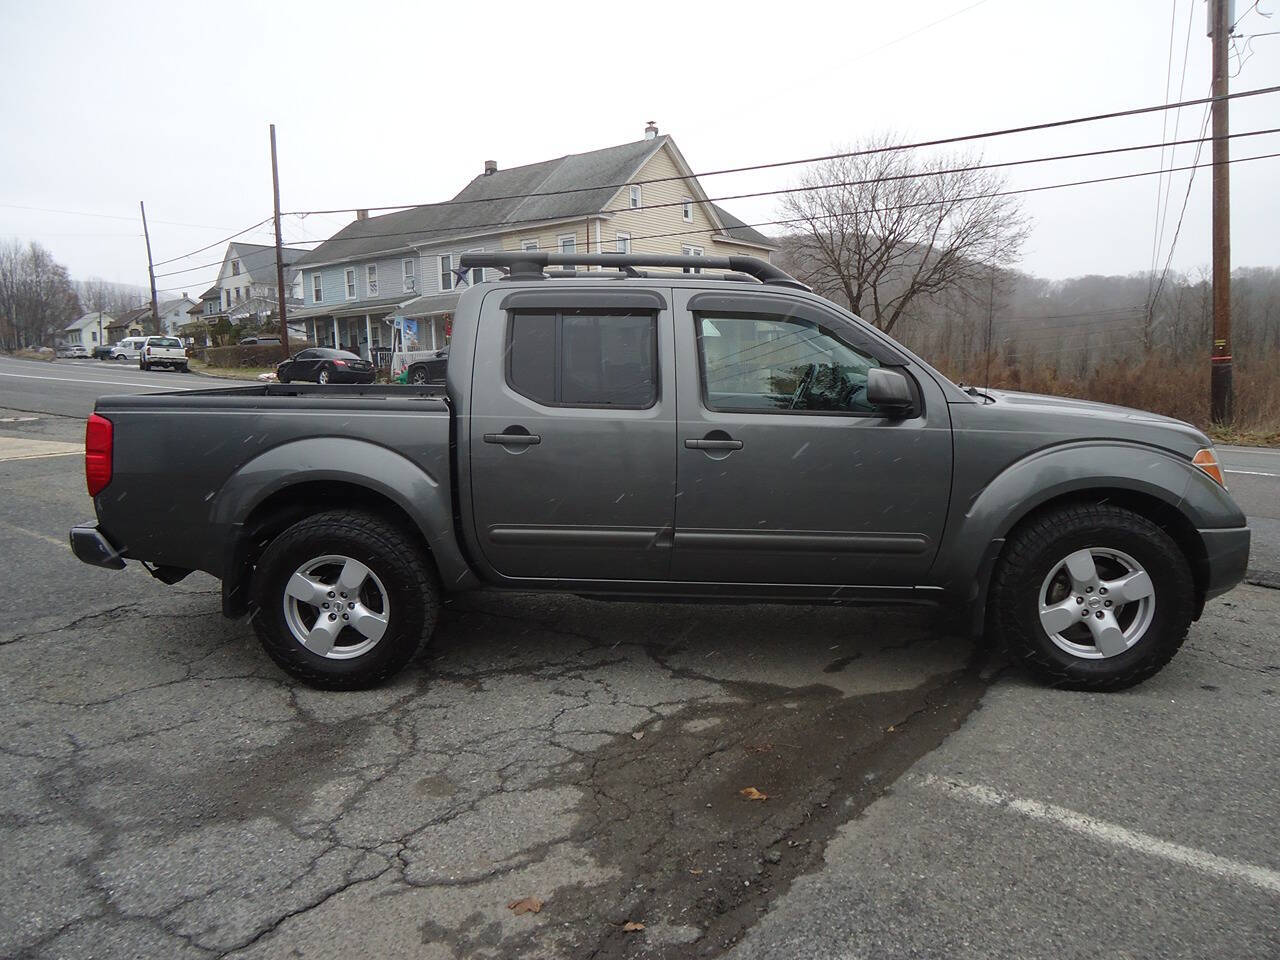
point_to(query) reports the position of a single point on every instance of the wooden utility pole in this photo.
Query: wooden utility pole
(1220, 393)
(280, 291)
(151, 270)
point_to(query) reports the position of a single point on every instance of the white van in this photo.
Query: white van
(128, 349)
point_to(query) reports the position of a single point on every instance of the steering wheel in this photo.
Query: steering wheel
(802, 388)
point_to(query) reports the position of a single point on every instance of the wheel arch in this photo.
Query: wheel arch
(1153, 483)
(271, 493)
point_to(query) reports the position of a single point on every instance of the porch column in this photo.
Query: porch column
(368, 338)
(432, 322)
(335, 333)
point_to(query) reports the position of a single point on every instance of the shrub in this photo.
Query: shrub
(246, 355)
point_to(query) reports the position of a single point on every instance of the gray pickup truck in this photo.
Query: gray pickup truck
(630, 433)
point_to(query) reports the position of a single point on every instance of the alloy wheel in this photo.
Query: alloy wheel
(336, 607)
(1097, 603)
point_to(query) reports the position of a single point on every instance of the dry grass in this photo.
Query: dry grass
(1169, 385)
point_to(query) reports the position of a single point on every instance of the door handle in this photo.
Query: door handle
(513, 439)
(713, 444)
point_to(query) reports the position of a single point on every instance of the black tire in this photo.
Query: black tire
(1040, 544)
(395, 559)
(283, 377)
(322, 376)
(418, 376)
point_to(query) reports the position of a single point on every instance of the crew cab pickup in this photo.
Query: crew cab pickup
(624, 432)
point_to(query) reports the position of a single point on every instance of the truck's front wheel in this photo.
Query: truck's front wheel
(343, 600)
(1092, 597)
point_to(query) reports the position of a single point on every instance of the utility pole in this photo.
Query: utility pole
(1220, 393)
(275, 189)
(151, 270)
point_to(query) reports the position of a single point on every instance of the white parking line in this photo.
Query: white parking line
(91, 382)
(1254, 473)
(1111, 833)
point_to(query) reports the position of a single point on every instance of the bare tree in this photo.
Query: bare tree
(884, 230)
(36, 296)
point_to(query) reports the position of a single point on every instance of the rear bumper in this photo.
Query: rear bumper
(1227, 552)
(91, 546)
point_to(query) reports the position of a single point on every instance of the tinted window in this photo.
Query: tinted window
(767, 364)
(165, 342)
(307, 355)
(584, 358)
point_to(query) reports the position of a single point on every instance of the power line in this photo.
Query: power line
(920, 30)
(938, 142)
(107, 216)
(424, 233)
(210, 246)
(1164, 126)
(910, 206)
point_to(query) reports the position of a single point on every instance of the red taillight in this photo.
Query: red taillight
(97, 453)
(339, 363)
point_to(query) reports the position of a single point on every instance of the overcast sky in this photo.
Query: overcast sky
(103, 104)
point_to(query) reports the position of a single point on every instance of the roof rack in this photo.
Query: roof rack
(532, 264)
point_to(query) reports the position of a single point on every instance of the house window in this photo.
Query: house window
(410, 281)
(228, 293)
(371, 279)
(235, 268)
(529, 246)
(686, 210)
(94, 335)
(239, 296)
(624, 243)
(446, 272)
(584, 358)
(475, 274)
(569, 243)
(317, 292)
(691, 251)
(351, 283)
(635, 195)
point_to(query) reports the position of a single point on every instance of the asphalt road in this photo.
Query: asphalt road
(168, 793)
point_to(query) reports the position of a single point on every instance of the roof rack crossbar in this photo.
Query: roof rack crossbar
(531, 264)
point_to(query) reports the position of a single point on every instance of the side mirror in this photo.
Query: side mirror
(890, 391)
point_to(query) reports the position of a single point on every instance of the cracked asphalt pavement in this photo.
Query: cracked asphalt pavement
(168, 793)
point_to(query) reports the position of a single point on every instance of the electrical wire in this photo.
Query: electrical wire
(937, 142)
(423, 235)
(210, 246)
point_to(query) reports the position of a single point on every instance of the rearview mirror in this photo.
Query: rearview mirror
(890, 391)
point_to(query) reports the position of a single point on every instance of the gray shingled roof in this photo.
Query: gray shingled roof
(602, 170)
(735, 228)
(259, 261)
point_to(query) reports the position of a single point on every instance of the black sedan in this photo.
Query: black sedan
(325, 365)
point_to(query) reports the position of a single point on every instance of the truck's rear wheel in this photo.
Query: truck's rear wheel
(343, 600)
(1092, 597)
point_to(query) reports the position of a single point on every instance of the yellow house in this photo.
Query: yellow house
(639, 197)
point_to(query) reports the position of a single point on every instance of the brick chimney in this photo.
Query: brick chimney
(490, 167)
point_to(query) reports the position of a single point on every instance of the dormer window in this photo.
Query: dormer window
(235, 268)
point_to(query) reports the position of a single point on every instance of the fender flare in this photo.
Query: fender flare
(421, 495)
(976, 533)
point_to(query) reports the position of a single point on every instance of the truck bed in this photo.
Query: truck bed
(188, 464)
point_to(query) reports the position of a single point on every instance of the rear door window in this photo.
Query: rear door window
(584, 358)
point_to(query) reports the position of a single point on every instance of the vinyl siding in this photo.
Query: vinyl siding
(429, 267)
(665, 220)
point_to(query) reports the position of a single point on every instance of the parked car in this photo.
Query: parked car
(70, 350)
(429, 370)
(669, 435)
(248, 341)
(163, 352)
(128, 349)
(325, 365)
(103, 351)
